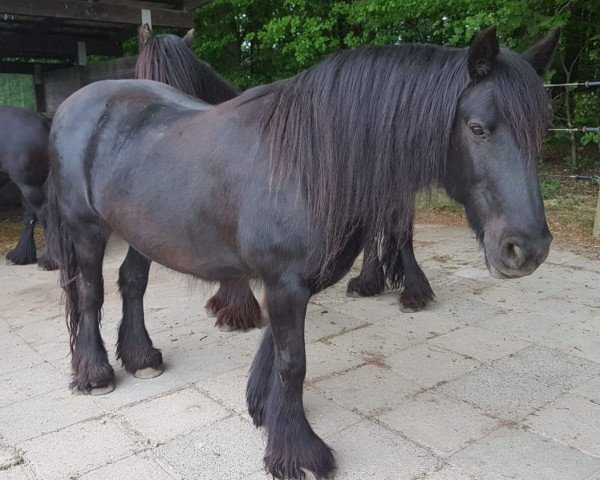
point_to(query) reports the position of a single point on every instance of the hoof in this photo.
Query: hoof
(413, 302)
(224, 327)
(404, 309)
(45, 263)
(19, 258)
(96, 391)
(303, 456)
(358, 287)
(148, 372)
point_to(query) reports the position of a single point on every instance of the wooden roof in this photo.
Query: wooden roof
(49, 30)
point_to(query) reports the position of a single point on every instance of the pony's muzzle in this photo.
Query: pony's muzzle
(521, 255)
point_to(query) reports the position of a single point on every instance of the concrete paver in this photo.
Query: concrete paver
(495, 380)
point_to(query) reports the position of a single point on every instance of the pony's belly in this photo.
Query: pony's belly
(187, 248)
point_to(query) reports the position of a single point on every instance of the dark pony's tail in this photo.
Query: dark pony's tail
(61, 249)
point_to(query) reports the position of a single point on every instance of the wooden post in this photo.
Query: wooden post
(81, 54)
(596, 230)
(147, 17)
(38, 85)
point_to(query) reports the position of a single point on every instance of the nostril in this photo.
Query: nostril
(513, 255)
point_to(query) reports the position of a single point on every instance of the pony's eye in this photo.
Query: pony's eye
(477, 130)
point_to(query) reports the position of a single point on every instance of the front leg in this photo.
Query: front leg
(292, 445)
(417, 292)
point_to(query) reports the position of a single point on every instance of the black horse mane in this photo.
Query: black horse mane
(365, 129)
(167, 59)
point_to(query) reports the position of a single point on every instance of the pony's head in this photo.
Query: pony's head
(169, 59)
(500, 122)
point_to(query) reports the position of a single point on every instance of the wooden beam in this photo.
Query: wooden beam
(96, 12)
(54, 46)
(190, 5)
(28, 68)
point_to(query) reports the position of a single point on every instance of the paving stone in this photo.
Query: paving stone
(519, 454)
(370, 310)
(172, 415)
(448, 472)
(371, 342)
(322, 323)
(9, 456)
(480, 344)
(21, 385)
(16, 354)
(366, 450)
(550, 367)
(502, 394)
(48, 337)
(589, 390)
(136, 467)
(129, 389)
(20, 472)
(323, 360)
(572, 420)
(327, 417)
(429, 365)
(45, 413)
(419, 326)
(83, 447)
(230, 449)
(212, 359)
(228, 388)
(439, 422)
(369, 389)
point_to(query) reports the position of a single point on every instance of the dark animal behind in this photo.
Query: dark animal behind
(168, 59)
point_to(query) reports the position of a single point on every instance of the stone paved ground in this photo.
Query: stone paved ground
(496, 380)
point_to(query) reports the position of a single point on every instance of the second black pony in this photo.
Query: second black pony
(389, 258)
(290, 199)
(24, 160)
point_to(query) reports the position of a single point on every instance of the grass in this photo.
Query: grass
(570, 207)
(17, 90)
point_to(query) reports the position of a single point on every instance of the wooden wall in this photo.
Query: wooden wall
(59, 84)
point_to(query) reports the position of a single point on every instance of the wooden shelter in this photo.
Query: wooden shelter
(51, 39)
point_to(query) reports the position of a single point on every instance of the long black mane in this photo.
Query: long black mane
(167, 59)
(366, 129)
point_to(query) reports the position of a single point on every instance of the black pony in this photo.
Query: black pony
(289, 199)
(24, 160)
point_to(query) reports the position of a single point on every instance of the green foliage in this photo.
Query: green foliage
(17, 90)
(549, 187)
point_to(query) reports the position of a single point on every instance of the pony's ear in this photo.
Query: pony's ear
(482, 53)
(145, 34)
(540, 55)
(188, 38)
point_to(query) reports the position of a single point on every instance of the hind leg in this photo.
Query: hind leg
(235, 306)
(134, 347)
(92, 372)
(25, 252)
(371, 280)
(417, 292)
(292, 445)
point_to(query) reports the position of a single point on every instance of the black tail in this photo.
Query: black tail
(61, 250)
